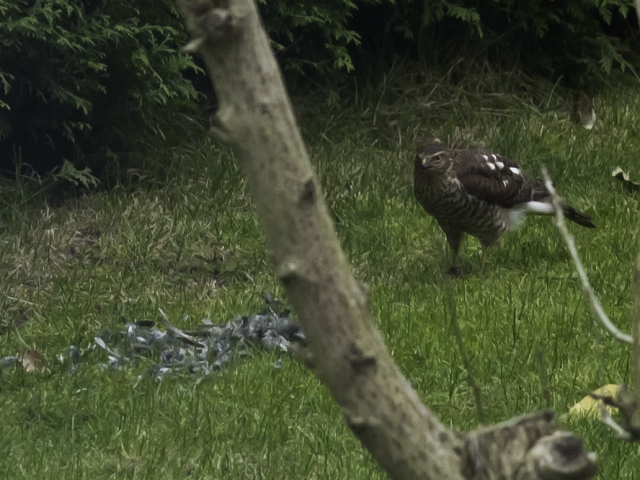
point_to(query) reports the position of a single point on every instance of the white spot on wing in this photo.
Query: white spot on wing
(515, 170)
(491, 166)
(494, 157)
(505, 182)
(485, 157)
(500, 164)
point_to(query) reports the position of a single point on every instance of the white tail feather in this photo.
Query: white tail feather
(519, 212)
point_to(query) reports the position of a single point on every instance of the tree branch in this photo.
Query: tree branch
(457, 333)
(346, 350)
(628, 402)
(634, 420)
(596, 308)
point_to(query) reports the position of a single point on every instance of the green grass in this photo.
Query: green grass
(186, 239)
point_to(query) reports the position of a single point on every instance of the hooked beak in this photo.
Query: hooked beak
(425, 163)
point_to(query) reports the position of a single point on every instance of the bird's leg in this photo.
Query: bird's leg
(454, 270)
(484, 256)
(454, 238)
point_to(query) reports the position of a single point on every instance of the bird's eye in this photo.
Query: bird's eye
(436, 159)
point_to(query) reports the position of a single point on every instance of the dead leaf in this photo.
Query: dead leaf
(624, 178)
(32, 361)
(590, 407)
(586, 112)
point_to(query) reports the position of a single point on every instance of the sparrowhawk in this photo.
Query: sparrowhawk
(479, 193)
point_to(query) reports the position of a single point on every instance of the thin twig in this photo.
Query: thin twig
(636, 331)
(179, 333)
(605, 417)
(465, 360)
(544, 378)
(568, 240)
(20, 300)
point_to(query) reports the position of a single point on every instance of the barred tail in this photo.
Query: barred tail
(577, 216)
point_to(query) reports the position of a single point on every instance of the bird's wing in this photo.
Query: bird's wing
(493, 178)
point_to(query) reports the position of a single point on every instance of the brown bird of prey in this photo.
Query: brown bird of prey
(479, 193)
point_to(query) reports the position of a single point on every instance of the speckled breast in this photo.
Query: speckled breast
(454, 207)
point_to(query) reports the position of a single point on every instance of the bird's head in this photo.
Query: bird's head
(429, 159)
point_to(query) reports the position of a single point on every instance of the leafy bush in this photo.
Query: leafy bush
(578, 40)
(581, 41)
(311, 37)
(82, 77)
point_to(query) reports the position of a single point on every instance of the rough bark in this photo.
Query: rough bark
(632, 399)
(345, 350)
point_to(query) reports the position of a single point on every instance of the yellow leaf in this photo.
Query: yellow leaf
(590, 407)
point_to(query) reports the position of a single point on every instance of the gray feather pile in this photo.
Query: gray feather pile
(209, 349)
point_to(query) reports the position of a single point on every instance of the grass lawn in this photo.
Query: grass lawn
(185, 238)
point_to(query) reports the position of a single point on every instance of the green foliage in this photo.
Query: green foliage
(85, 77)
(311, 37)
(29, 188)
(581, 41)
(89, 76)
